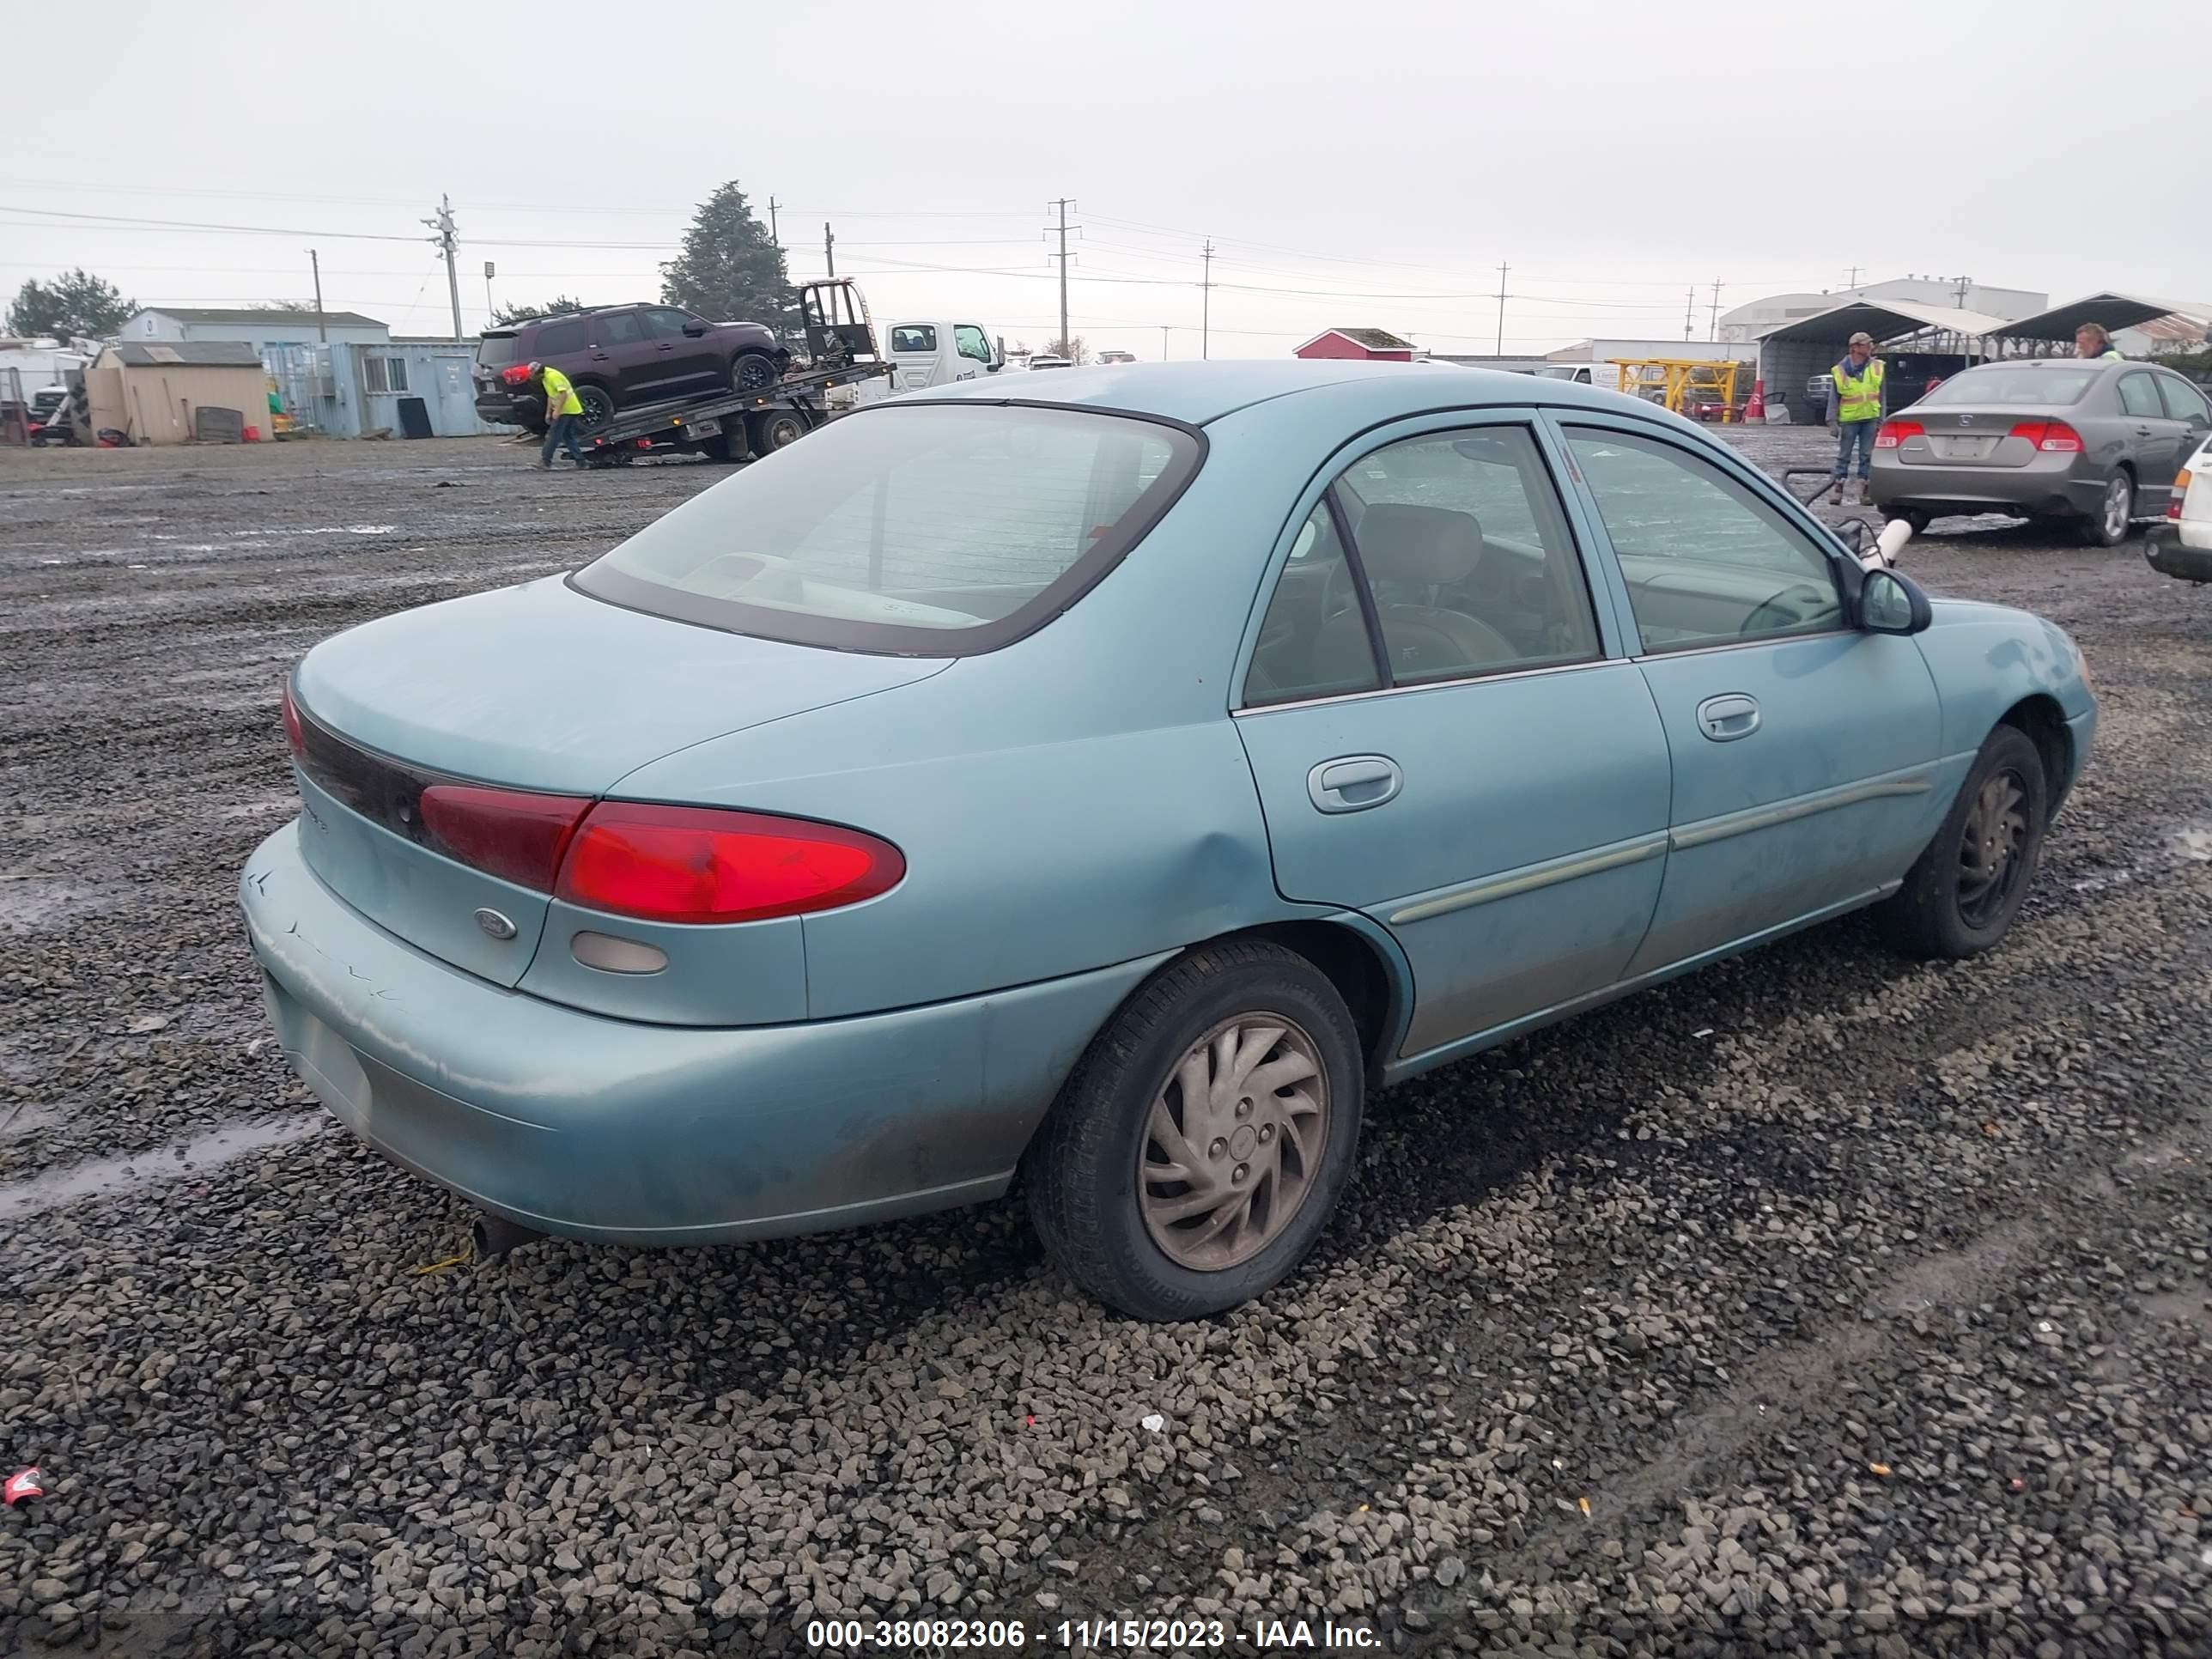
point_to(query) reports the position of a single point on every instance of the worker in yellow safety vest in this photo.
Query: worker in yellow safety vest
(1855, 410)
(562, 406)
(2095, 340)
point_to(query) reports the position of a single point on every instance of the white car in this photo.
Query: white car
(2180, 543)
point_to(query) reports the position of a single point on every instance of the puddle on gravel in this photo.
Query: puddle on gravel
(100, 1177)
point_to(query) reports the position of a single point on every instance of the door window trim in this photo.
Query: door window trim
(1612, 646)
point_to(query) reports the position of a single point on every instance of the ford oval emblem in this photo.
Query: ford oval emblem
(495, 923)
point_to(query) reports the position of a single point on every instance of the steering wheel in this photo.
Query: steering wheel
(1779, 612)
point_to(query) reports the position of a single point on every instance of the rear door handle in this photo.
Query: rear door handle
(1724, 719)
(1352, 783)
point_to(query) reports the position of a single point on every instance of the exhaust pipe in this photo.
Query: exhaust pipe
(495, 1235)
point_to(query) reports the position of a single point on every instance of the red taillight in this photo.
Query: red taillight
(2051, 437)
(1895, 433)
(691, 864)
(515, 374)
(2182, 480)
(295, 734)
(512, 834)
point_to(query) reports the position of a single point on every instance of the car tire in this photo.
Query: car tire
(599, 405)
(2115, 516)
(753, 371)
(1952, 907)
(769, 430)
(1090, 1197)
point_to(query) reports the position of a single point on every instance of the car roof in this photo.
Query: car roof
(1195, 393)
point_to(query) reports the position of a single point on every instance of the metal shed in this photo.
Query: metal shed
(2056, 326)
(1917, 343)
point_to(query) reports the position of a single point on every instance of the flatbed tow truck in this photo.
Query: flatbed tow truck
(724, 425)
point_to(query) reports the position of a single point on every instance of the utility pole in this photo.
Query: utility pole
(772, 236)
(1501, 270)
(489, 307)
(1959, 292)
(829, 248)
(1690, 313)
(442, 222)
(315, 259)
(1061, 230)
(1205, 302)
(1163, 343)
(1852, 279)
(1713, 330)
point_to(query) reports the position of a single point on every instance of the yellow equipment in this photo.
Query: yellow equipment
(1690, 386)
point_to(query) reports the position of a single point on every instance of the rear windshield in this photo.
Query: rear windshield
(2054, 384)
(922, 529)
(497, 350)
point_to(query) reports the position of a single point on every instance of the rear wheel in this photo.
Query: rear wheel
(599, 406)
(1196, 1151)
(2108, 526)
(753, 371)
(1962, 893)
(772, 429)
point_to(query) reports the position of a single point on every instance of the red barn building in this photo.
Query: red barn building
(1370, 344)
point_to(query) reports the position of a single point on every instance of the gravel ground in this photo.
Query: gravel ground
(1819, 1302)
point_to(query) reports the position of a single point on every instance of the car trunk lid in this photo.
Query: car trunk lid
(536, 689)
(1966, 436)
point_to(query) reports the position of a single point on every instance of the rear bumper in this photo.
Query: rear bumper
(2048, 485)
(509, 409)
(606, 1129)
(2181, 549)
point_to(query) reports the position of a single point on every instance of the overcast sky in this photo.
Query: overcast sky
(1379, 159)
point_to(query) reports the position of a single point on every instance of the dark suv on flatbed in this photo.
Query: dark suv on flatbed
(620, 356)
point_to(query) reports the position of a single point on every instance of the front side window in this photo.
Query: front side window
(934, 529)
(664, 325)
(1706, 559)
(913, 336)
(968, 340)
(2183, 402)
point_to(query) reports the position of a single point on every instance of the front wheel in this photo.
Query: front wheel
(2109, 526)
(753, 371)
(1198, 1147)
(1961, 895)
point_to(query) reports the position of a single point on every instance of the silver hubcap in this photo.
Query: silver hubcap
(1234, 1142)
(2116, 508)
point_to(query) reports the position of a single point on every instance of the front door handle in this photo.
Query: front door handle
(1352, 783)
(1725, 718)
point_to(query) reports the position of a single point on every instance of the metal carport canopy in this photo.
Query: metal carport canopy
(2115, 310)
(1885, 320)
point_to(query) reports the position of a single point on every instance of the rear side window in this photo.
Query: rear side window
(2183, 402)
(2139, 396)
(2055, 383)
(558, 339)
(619, 328)
(498, 350)
(914, 336)
(928, 529)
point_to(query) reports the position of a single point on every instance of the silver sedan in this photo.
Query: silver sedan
(2094, 443)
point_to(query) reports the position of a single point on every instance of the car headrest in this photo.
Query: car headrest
(1426, 546)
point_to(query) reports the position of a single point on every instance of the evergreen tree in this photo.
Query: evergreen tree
(729, 271)
(77, 302)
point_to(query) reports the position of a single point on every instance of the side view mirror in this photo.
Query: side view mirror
(695, 328)
(999, 352)
(1892, 604)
